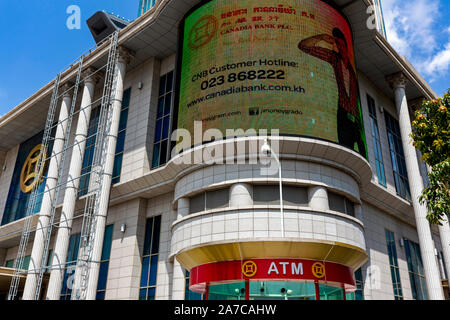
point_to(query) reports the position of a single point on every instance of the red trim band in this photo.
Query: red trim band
(272, 269)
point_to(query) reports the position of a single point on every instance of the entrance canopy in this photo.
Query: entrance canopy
(271, 273)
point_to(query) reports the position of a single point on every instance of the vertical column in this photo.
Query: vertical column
(317, 290)
(124, 56)
(73, 182)
(48, 197)
(318, 198)
(247, 289)
(358, 212)
(444, 234)
(398, 83)
(178, 281)
(241, 194)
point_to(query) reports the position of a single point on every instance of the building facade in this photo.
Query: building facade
(157, 182)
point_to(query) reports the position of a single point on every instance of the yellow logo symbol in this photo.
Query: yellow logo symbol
(249, 269)
(202, 32)
(29, 176)
(318, 270)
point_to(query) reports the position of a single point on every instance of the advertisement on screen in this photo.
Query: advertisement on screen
(257, 64)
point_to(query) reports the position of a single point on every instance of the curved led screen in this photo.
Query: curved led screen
(286, 65)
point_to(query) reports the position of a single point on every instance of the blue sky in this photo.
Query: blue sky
(39, 44)
(420, 30)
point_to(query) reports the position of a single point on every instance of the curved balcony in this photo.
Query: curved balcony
(254, 232)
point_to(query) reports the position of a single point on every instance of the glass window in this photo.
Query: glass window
(150, 258)
(161, 145)
(270, 195)
(9, 264)
(395, 270)
(49, 260)
(275, 290)
(121, 136)
(209, 200)
(376, 141)
(145, 5)
(415, 268)
(25, 263)
(295, 196)
(188, 294)
(217, 199)
(266, 194)
(91, 140)
(397, 157)
(69, 274)
(327, 292)
(341, 204)
(359, 293)
(104, 263)
(89, 152)
(197, 203)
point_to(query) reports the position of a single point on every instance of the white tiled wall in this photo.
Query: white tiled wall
(376, 222)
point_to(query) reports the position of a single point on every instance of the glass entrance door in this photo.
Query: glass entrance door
(275, 290)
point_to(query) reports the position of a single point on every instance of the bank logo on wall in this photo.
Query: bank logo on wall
(318, 270)
(249, 269)
(202, 32)
(264, 64)
(30, 176)
(25, 178)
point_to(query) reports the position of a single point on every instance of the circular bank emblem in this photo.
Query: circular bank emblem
(202, 32)
(29, 176)
(249, 269)
(318, 270)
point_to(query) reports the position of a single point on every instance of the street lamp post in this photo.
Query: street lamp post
(267, 150)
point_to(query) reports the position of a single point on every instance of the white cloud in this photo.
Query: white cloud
(439, 63)
(410, 24)
(414, 28)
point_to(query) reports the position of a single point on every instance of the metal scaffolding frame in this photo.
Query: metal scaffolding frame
(90, 211)
(92, 201)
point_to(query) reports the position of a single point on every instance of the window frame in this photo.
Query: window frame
(149, 244)
(376, 140)
(159, 140)
(104, 260)
(89, 151)
(120, 148)
(359, 293)
(71, 260)
(416, 278)
(398, 159)
(190, 295)
(393, 264)
(203, 196)
(348, 209)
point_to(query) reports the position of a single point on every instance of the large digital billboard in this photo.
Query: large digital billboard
(260, 64)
